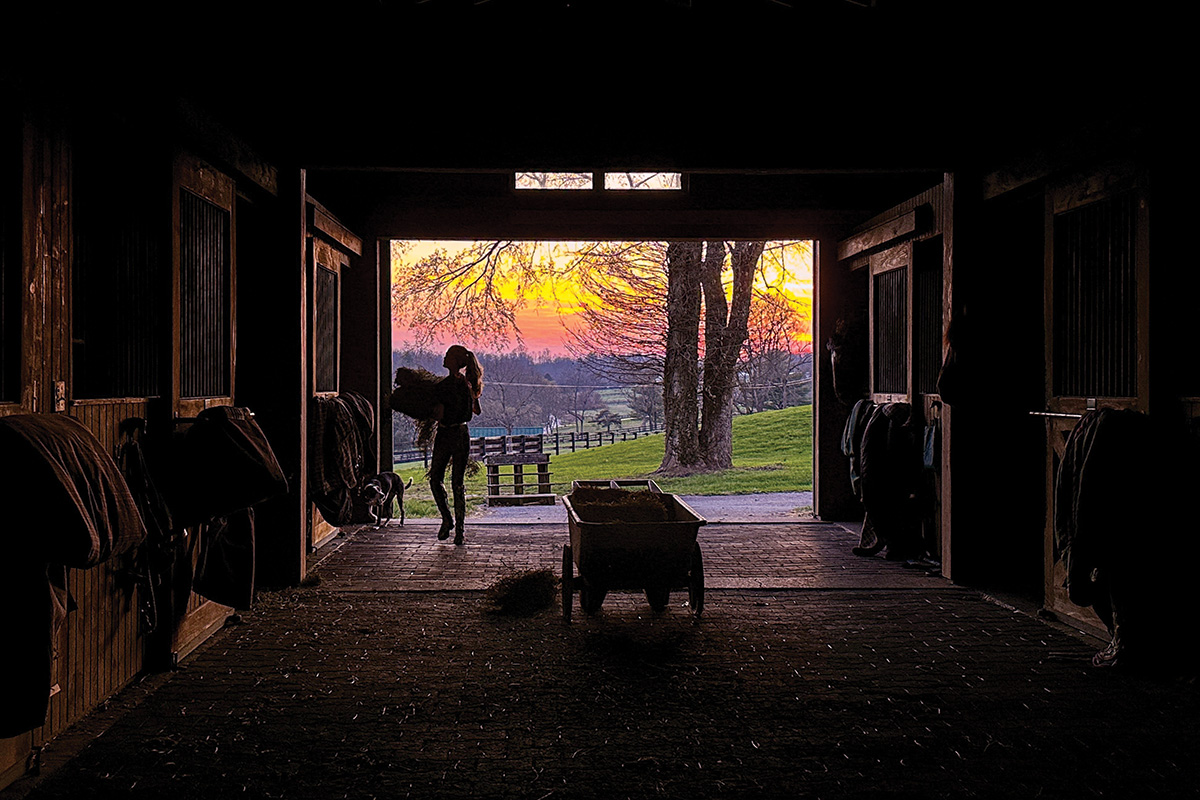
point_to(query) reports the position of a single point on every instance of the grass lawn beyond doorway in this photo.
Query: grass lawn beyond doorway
(772, 452)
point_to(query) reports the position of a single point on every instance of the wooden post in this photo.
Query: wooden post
(832, 496)
(273, 375)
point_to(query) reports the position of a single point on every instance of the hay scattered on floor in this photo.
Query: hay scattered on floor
(522, 593)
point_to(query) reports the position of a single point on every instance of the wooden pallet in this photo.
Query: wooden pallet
(514, 481)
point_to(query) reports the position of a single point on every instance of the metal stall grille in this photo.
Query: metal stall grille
(891, 331)
(326, 332)
(118, 285)
(1095, 300)
(204, 297)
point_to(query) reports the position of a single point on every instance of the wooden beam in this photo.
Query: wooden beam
(903, 226)
(320, 219)
(219, 143)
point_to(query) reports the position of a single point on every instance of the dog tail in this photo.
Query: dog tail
(409, 483)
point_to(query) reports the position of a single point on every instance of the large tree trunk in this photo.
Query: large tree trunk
(680, 371)
(726, 328)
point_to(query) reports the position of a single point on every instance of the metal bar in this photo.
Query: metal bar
(1055, 414)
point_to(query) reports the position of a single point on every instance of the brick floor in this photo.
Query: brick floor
(811, 674)
(764, 556)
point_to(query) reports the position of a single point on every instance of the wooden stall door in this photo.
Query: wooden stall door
(35, 162)
(203, 325)
(324, 276)
(1097, 325)
(330, 246)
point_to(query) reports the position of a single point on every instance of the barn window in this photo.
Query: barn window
(117, 281)
(326, 334)
(612, 181)
(10, 259)
(205, 278)
(643, 180)
(554, 180)
(1095, 299)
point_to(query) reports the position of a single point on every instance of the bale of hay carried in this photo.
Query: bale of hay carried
(620, 505)
(414, 395)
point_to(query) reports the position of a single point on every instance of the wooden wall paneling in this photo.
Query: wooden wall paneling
(1068, 195)
(14, 757)
(1055, 593)
(98, 645)
(103, 638)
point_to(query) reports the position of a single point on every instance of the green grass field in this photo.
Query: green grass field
(772, 452)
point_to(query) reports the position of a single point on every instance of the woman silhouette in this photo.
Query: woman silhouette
(457, 400)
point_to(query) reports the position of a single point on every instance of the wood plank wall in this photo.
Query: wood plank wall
(101, 646)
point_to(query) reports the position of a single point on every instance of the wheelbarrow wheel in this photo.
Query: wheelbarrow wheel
(696, 582)
(591, 597)
(658, 598)
(568, 582)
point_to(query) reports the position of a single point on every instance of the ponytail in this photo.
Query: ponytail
(459, 357)
(474, 374)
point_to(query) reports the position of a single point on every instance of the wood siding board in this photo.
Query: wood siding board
(228, 148)
(320, 220)
(878, 236)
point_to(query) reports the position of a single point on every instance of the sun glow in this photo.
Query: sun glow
(545, 296)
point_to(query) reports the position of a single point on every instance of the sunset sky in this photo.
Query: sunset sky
(548, 307)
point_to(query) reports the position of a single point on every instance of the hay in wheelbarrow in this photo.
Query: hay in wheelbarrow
(522, 593)
(594, 504)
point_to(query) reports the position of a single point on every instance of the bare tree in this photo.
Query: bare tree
(607, 419)
(579, 399)
(460, 293)
(725, 330)
(681, 452)
(621, 334)
(774, 354)
(646, 402)
(643, 322)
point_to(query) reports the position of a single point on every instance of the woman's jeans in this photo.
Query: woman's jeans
(451, 443)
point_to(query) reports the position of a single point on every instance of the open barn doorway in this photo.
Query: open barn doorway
(576, 340)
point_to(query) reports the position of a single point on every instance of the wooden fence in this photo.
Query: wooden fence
(555, 443)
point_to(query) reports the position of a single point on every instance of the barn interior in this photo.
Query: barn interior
(945, 139)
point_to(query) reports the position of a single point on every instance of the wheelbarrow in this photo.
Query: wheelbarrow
(630, 536)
